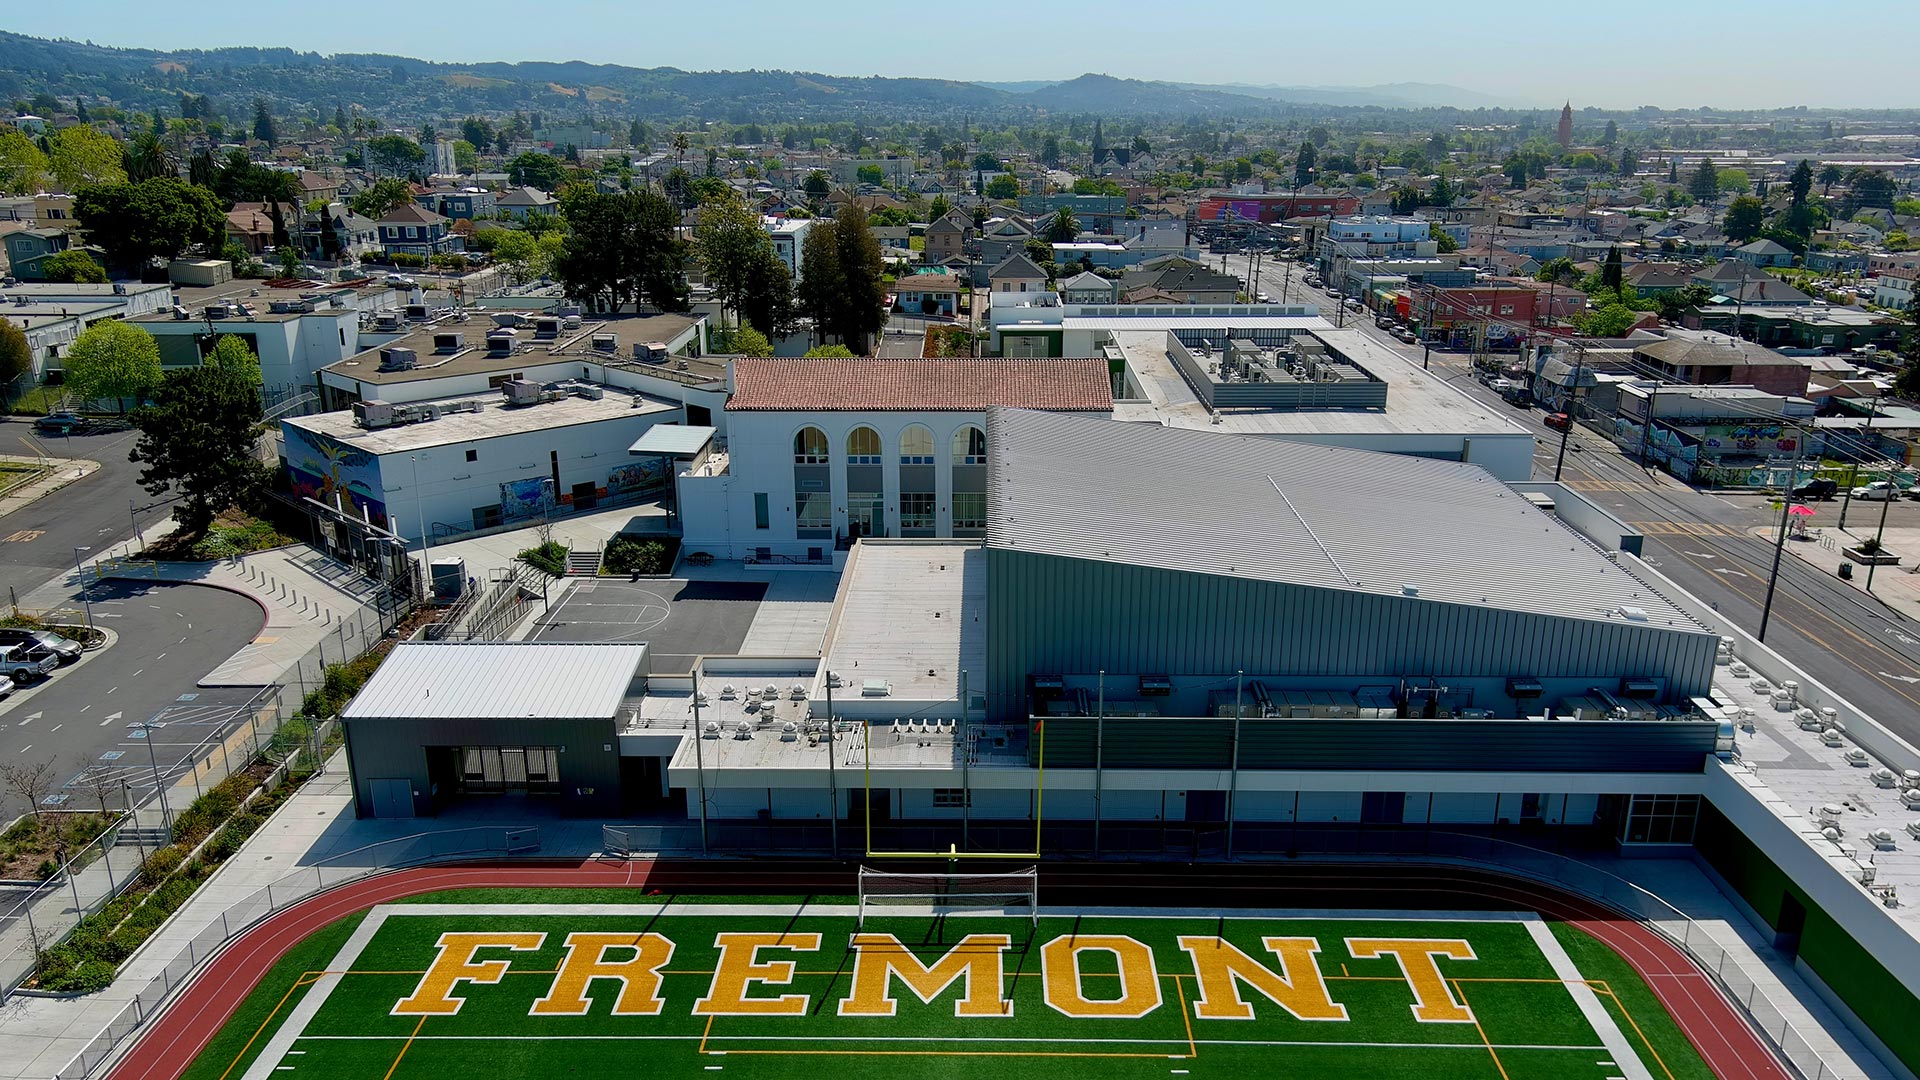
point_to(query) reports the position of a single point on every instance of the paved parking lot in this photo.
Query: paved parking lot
(678, 620)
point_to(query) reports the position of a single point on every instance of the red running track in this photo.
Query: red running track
(167, 1045)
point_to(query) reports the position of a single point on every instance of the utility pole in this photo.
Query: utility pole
(1573, 405)
(1853, 471)
(1780, 541)
(1880, 534)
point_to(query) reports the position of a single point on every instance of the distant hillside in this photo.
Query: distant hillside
(1108, 95)
(1407, 95)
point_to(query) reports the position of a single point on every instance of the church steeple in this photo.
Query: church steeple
(1565, 133)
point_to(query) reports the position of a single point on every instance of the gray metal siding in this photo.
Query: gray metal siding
(381, 747)
(1436, 745)
(1068, 615)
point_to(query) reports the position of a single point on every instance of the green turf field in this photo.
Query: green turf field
(764, 990)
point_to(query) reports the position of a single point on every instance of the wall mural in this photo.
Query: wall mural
(523, 499)
(639, 476)
(319, 466)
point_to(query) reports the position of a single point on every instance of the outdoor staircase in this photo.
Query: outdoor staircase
(583, 563)
(146, 836)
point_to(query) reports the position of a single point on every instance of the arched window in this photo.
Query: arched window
(863, 446)
(916, 446)
(810, 447)
(969, 446)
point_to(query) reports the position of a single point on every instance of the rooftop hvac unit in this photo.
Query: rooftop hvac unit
(1640, 688)
(373, 414)
(416, 312)
(500, 343)
(1525, 689)
(219, 311)
(450, 342)
(875, 688)
(521, 391)
(386, 320)
(508, 319)
(570, 322)
(546, 327)
(590, 391)
(467, 406)
(398, 358)
(181, 314)
(650, 352)
(605, 343)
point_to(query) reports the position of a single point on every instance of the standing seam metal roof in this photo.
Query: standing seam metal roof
(498, 680)
(1296, 513)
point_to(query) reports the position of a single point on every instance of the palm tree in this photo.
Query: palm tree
(148, 157)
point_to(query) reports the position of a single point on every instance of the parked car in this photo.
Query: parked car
(61, 423)
(1817, 489)
(1876, 491)
(64, 649)
(1914, 492)
(22, 667)
(1559, 421)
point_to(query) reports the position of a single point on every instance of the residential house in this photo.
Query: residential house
(353, 235)
(1654, 278)
(1704, 359)
(1894, 289)
(314, 186)
(1003, 236)
(929, 294)
(1881, 262)
(789, 238)
(459, 204)
(1764, 253)
(521, 202)
(1187, 281)
(29, 249)
(1016, 274)
(1835, 262)
(947, 237)
(414, 230)
(1088, 287)
(250, 224)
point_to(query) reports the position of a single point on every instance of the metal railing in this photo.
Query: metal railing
(283, 893)
(93, 877)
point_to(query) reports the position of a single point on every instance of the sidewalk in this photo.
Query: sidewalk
(61, 472)
(1898, 587)
(580, 532)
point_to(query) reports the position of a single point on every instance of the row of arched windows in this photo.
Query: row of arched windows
(864, 448)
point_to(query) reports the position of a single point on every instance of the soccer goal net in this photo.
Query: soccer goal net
(880, 889)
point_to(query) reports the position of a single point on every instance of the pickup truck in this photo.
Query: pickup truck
(18, 664)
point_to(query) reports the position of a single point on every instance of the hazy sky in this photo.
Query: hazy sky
(1619, 54)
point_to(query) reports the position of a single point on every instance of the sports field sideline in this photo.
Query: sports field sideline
(436, 989)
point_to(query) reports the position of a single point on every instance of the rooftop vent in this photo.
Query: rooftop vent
(386, 320)
(500, 342)
(650, 352)
(1632, 614)
(546, 327)
(450, 342)
(398, 358)
(416, 312)
(605, 343)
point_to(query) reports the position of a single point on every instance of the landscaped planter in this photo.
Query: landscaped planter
(1878, 558)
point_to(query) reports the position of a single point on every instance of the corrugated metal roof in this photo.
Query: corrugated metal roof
(498, 680)
(1320, 516)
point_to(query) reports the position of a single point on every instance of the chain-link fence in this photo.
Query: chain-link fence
(264, 730)
(280, 894)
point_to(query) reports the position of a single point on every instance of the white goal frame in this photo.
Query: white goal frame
(944, 891)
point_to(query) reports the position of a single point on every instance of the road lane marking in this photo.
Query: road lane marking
(56, 727)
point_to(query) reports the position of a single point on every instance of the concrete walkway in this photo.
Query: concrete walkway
(1898, 586)
(580, 532)
(60, 473)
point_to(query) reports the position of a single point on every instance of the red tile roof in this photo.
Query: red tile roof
(874, 384)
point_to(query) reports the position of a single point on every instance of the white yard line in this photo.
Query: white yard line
(1588, 1001)
(295, 1024)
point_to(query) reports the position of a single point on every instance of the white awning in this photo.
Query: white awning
(673, 440)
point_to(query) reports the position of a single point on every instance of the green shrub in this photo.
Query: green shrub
(161, 864)
(401, 258)
(84, 978)
(46, 870)
(550, 557)
(630, 554)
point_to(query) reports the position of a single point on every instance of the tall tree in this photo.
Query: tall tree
(263, 126)
(1303, 163)
(79, 156)
(1611, 135)
(622, 249)
(23, 168)
(16, 357)
(822, 284)
(1871, 188)
(1704, 186)
(148, 157)
(729, 239)
(381, 198)
(73, 266)
(477, 130)
(535, 169)
(863, 270)
(112, 359)
(154, 219)
(394, 155)
(766, 299)
(1746, 216)
(1907, 383)
(197, 442)
(1829, 176)
(231, 354)
(1611, 274)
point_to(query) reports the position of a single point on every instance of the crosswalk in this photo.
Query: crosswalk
(1684, 528)
(1607, 485)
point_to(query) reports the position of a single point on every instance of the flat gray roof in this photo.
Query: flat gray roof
(1298, 513)
(902, 617)
(495, 419)
(675, 440)
(446, 680)
(474, 359)
(1418, 402)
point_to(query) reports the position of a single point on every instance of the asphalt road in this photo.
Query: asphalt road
(1704, 541)
(169, 637)
(37, 541)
